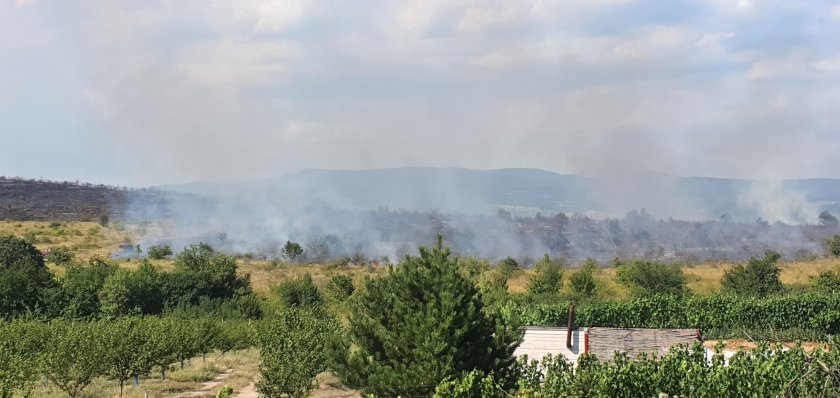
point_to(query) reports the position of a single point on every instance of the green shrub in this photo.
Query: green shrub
(25, 281)
(340, 287)
(646, 278)
(826, 281)
(760, 277)
(60, 256)
(832, 245)
(293, 351)
(722, 316)
(508, 266)
(299, 292)
(159, 252)
(583, 282)
(547, 277)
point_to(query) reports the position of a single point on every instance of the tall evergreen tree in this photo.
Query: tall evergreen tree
(417, 326)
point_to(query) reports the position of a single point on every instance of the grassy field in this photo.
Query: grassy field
(239, 370)
(88, 239)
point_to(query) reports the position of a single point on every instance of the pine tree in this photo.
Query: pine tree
(548, 278)
(419, 325)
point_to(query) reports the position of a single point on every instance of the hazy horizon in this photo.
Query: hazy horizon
(165, 92)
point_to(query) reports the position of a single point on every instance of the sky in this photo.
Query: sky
(168, 91)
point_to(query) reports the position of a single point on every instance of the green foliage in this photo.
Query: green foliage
(225, 392)
(299, 292)
(293, 351)
(24, 278)
(21, 351)
(137, 292)
(201, 273)
(583, 282)
(475, 384)
(684, 372)
(292, 250)
(832, 245)
(81, 286)
(130, 348)
(73, 355)
(60, 256)
(508, 266)
(722, 316)
(473, 268)
(547, 278)
(159, 252)
(760, 277)
(827, 281)
(340, 288)
(646, 278)
(421, 324)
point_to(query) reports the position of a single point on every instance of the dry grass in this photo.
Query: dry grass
(89, 239)
(198, 379)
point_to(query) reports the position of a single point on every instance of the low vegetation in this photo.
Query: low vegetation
(434, 324)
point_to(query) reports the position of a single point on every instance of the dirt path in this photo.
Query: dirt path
(208, 387)
(250, 391)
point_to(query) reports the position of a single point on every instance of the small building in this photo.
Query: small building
(540, 341)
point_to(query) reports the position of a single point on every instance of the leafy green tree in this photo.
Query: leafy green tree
(130, 349)
(474, 384)
(473, 268)
(162, 343)
(73, 355)
(199, 273)
(547, 277)
(136, 292)
(832, 245)
(299, 292)
(421, 324)
(21, 351)
(159, 251)
(82, 286)
(759, 277)
(340, 288)
(293, 351)
(646, 278)
(292, 250)
(25, 280)
(583, 282)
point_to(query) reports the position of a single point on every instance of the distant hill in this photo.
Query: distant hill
(38, 200)
(532, 190)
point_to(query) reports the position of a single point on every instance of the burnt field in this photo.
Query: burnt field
(37, 200)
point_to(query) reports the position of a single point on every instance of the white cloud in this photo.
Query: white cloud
(829, 65)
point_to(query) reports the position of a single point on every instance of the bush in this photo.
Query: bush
(293, 352)
(299, 292)
(159, 252)
(760, 277)
(421, 324)
(60, 256)
(682, 372)
(827, 281)
(340, 288)
(508, 266)
(82, 286)
(646, 278)
(721, 316)
(583, 282)
(547, 278)
(137, 292)
(25, 281)
(201, 273)
(832, 245)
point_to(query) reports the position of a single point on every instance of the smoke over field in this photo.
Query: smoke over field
(521, 213)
